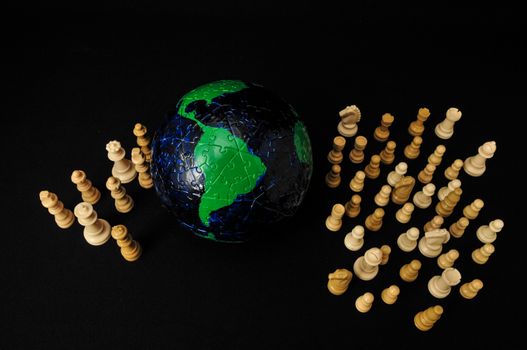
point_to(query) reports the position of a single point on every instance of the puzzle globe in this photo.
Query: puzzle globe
(231, 157)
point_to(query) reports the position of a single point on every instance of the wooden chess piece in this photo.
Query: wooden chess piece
(382, 198)
(388, 153)
(470, 289)
(451, 186)
(445, 129)
(447, 205)
(417, 127)
(63, 217)
(447, 259)
(352, 207)
(457, 229)
(143, 141)
(488, 233)
(431, 244)
(142, 168)
(452, 172)
(407, 241)
(356, 155)
(382, 132)
(472, 210)
(441, 285)
(333, 176)
(423, 198)
(349, 116)
(481, 255)
(96, 231)
(402, 190)
(357, 183)
(364, 302)
(334, 221)
(372, 170)
(123, 202)
(475, 165)
(426, 175)
(122, 169)
(404, 214)
(412, 150)
(88, 192)
(335, 155)
(437, 156)
(354, 240)
(390, 294)
(386, 251)
(366, 267)
(397, 174)
(130, 249)
(426, 319)
(409, 272)
(339, 281)
(434, 224)
(374, 221)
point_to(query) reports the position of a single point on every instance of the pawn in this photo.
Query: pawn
(383, 197)
(481, 255)
(441, 285)
(63, 217)
(123, 202)
(402, 190)
(364, 302)
(404, 214)
(123, 168)
(352, 207)
(431, 244)
(423, 198)
(339, 281)
(412, 150)
(396, 175)
(390, 294)
(88, 192)
(437, 156)
(445, 129)
(130, 249)
(426, 319)
(417, 127)
(386, 251)
(372, 170)
(349, 116)
(447, 259)
(143, 141)
(387, 155)
(475, 165)
(334, 221)
(333, 176)
(382, 132)
(142, 168)
(488, 233)
(335, 155)
(457, 229)
(354, 240)
(357, 183)
(472, 210)
(374, 221)
(356, 155)
(96, 231)
(470, 289)
(434, 224)
(409, 272)
(452, 172)
(425, 175)
(451, 186)
(447, 205)
(366, 267)
(407, 241)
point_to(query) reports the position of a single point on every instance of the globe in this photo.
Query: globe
(231, 157)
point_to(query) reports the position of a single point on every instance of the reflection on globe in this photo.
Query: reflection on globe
(231, 157)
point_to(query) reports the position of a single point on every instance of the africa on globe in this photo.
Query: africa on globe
(231, 157)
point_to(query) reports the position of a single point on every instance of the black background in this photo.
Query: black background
(78, 77)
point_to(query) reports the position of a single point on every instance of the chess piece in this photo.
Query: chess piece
(412, 150)
(451, 186)
(402, 190)
(475, 165)
(387, 155)
(440, 286)
(417, 127)
(383, 197)
(445, 129)
(357, 183)
(335, 155)
(434, 224)
(431, 244)
(425, 175)
(123, 202)
(437, 156)
(407, 241)
(390, 294)
(352, 207)
(425, 320)
(142, 168)
(452, 172)
(143, 141)
(472, 210)
(349, 116)
(333, 176)
(63, 217)
(354, 240)
(396, 175)
(386, 251)
(447, 259)
(130, 249)
(96, 231)
(409, 272)
(457, 229)
(447, 205)
(339, 281)
(356, 155)
(366, 267)
(334, 221)
(481, 255)
(382, 132)
(372, 170)
(122, 168)
(488, 233)
(470, 289)
(374, 221)
(88, 192)
(404, 214)
(364, 302)
(423, 198)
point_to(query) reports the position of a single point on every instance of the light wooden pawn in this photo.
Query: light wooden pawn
(447, 205)
(143, 141)
(374, 221)
(373, 170)
(333, 178)
(445, 190)
(96, 231)
(339, 281)
(366, 267)
(403, 190)
(447, 259)
(472, 210)
(488, 233)
(470, 289)
(452, 172)
(123, 169)
(431, 244)
(445, 129)
(63, 217)
(357, 183)
(426, 175)
(130, 249)
(382, 132)
(349, 116)
(123, 202)
(417, 127)
(404, 214)
(334, 220)
(413, 149)
(354, 240)
(386, 251)
(390, 294)
(356, 155)
(407, 241)
(352, 207)
(441, 285)
(481, 255)
(397, 174)
(457, 229)
(382, 198)
(364, 302)
(423, 198)
(435, 223)
(88, 192)
(388, 153)
(410, 271)
(475, 165)
(335, 155)
(425, 320)
(142, 168)
(437, 156)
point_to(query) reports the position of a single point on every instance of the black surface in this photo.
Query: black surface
(79, 78)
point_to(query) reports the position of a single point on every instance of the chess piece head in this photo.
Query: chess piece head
(373, 256)
(488, 149)
(139, 130)
(119, 232)
(496, 225)
(453, 114)
(350, 114)
(83, 210)
(115, 151)
(113, 183)
(401, 168)
(45, 196)
(429, 190)
(340, 274)
(78, 176)
(451, 276)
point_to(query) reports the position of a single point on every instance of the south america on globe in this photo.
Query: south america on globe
(231, 157)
